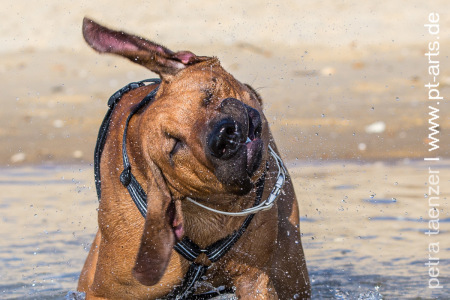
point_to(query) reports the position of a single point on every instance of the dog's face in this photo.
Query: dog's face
(207, 134)
(203, 135)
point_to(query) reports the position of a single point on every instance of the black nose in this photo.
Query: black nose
(254, 123)
(226, 138)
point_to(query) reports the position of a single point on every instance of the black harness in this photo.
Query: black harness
(186, 248)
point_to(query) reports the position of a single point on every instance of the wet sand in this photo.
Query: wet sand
(52, 111)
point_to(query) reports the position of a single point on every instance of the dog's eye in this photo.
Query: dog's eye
(208, 96)
(175, 145)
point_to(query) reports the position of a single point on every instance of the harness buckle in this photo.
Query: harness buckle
(125, 176)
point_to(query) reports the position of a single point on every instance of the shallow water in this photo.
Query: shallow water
(363, 229)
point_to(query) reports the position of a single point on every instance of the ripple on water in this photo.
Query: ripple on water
(380, 201)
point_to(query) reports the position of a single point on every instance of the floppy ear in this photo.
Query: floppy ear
(158, 237)
(154, 57)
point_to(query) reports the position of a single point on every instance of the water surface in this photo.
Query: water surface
(363, 229)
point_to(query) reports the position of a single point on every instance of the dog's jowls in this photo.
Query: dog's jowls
(204, 136)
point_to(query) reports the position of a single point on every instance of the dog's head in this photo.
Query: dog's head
(204, 134)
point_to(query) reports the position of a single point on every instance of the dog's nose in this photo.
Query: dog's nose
(226, 138)
(232, 107)
(254, 123)
(228, 135)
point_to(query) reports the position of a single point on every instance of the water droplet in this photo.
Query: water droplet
(396, 183)
(397, 98)
(394, 200)
(323, 115)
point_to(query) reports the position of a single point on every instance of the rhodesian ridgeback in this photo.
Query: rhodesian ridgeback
(194, 198)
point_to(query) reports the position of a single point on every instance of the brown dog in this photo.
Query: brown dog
(203, 136)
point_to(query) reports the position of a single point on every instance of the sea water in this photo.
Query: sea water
(362, 229)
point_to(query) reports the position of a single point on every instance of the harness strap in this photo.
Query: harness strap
(103, 131)
(193, 275)
(190, 251)
(128, 180)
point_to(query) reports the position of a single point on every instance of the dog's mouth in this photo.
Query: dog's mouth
(254, 144)
(175, 219)
(235, 145)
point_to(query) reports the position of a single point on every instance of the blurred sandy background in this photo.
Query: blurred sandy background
(340, 79)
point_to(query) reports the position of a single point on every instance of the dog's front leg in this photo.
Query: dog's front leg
(255, 284)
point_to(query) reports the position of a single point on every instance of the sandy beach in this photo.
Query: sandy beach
(339, 81)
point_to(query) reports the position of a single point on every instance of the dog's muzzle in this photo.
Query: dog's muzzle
(226, 138)
(234, 141)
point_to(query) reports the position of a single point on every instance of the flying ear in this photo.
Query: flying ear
(154, 57)
(162, 222)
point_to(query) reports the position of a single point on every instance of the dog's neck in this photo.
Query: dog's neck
(206, 227)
